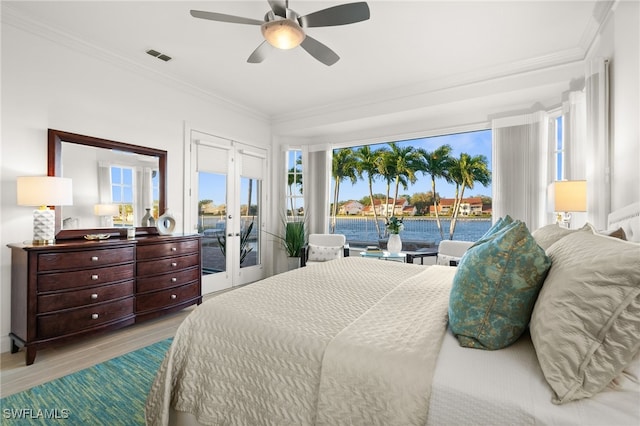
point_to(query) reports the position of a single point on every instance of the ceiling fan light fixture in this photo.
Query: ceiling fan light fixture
(283, 33)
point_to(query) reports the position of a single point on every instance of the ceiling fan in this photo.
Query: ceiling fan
(283, 28)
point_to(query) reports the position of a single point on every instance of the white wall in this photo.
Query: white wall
(49, 85)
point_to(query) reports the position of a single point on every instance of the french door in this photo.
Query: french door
(227, 201)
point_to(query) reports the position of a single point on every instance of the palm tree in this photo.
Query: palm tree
(406, 163)
(343, 166)
(436, 164)
(465, 171)
(367, 164)
(386, 169)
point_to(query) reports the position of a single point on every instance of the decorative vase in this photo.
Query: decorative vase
(166, 223)
(394, 244)
(146, 219)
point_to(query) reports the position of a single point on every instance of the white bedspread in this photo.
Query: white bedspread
(351, 341)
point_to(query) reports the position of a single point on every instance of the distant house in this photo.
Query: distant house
(468, 207)
(351, 207)
(397, 207)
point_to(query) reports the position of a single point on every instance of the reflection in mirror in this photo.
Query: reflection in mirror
(114, 183)
(110, 188)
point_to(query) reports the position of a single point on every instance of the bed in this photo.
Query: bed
(367, 342)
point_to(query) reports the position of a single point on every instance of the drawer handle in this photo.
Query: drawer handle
(174, 249)
(94, 316)
(173, 296)
(94, 296)
(174, 279)
(94, 258)
(94, 277)
(174, 264)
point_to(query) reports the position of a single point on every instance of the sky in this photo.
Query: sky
(473, 143)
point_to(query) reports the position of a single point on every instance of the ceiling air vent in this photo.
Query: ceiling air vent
(159, 55)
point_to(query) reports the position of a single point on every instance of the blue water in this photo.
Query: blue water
(415, 229)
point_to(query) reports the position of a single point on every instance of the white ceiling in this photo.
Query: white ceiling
(405, 44)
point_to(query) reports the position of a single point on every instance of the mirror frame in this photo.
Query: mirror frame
(54, 168)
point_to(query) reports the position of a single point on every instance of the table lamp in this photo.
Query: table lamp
(566, 196)
(106, 213)
(44, 191)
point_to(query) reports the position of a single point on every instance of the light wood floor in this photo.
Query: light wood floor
(56, 362)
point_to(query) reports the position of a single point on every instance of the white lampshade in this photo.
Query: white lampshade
(44, 191)
(283, 33)
(106, 213)
(568, 196)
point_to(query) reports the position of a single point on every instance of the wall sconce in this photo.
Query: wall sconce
(42, 192)
(565, 196)
(106, 213)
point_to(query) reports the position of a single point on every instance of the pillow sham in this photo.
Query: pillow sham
(549, 234)
(585, 325)
(495, 287)
(324, 253)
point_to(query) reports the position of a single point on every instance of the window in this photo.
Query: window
(122, 193)
(371, 183)
(559, 156)
(294, 198)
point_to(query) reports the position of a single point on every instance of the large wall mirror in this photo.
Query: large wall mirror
(115, 184)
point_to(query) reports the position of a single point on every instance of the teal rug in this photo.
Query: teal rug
(112, 393)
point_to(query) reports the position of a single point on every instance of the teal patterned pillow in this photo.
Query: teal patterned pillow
(500, 224)
(495, 287)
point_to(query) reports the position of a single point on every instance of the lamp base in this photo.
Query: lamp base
(564, 220)
(44, 227)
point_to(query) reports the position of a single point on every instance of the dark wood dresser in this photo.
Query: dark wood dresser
(77, 288)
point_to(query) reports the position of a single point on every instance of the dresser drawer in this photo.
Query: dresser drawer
(160, 266)
(74, 320)
(87, 277)
(152, 251)
(87, 297)
(84, 259)
(167, 298)
(171, 279)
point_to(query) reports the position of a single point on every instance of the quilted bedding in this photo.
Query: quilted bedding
(350, 341)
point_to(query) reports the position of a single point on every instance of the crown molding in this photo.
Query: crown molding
(10, 16)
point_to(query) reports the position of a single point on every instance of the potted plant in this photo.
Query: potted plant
(292, 239)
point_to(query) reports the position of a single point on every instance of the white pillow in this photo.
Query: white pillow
(585, 325)
(324, 253)
(549, 234)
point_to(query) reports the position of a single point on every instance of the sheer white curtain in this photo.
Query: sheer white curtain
(104, 183)
(316, 175)
(520, 153)
(598, 150)
(143, 199)
(574, 110)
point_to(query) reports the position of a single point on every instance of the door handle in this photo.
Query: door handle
(229, 235)
(237, 234)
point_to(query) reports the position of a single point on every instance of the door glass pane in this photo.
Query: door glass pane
(212, 211)
(250, 211)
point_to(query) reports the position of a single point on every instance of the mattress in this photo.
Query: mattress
(507, 387)
(350, 341)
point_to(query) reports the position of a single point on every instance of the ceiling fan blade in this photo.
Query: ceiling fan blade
(260, 54)
(337, 15)
(221, 17)
(319, 51)
(279, 7)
